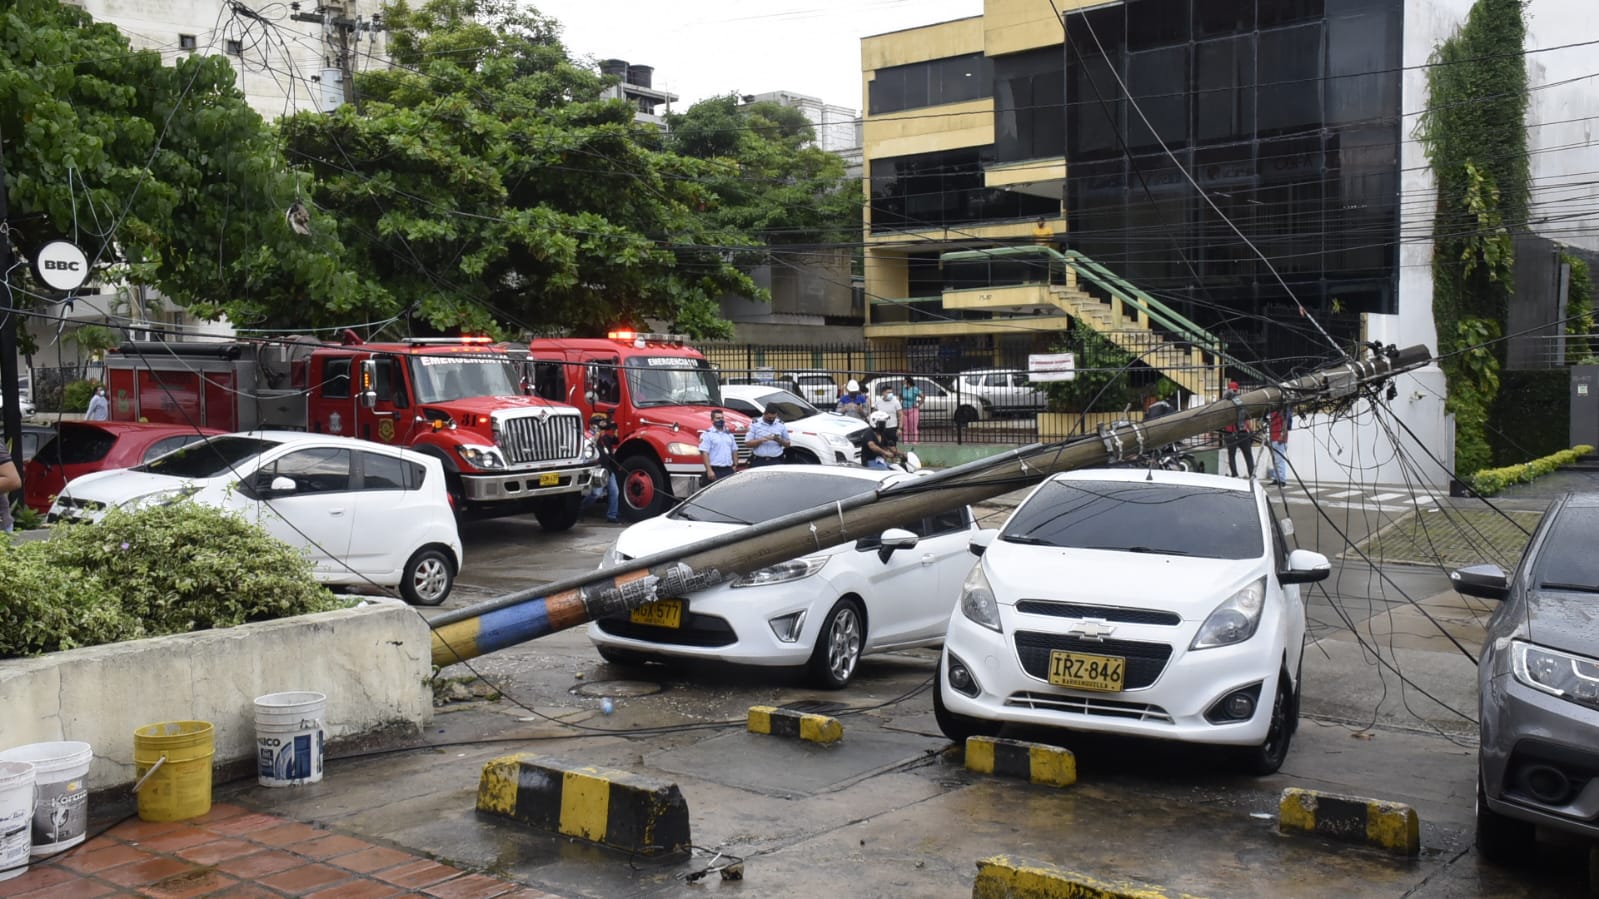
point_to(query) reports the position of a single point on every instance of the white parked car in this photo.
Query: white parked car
(24, 406)
(819, 388)
(939, 403)
(814, 436)
(1147, 603)
(823, 610)
(364, 513)
(1003, 391)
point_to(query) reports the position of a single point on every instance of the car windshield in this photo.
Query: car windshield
(671, 381)
(1140, 517)
(787, 406)
(443, 377)
(212, 457)
(762, 494)
(1566, 560)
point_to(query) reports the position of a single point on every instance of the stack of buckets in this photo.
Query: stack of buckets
(44, 801)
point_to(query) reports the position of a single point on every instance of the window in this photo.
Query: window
(212, 458)
(76, 446)
(1029, 93)
(186, 42)
(953, 79)
(391, 381)
(1224, 90)
(935, 190)
(604, 381)
(549, 380)
(235, 48)
(744, 406)
(336, 378)
(319, 470)
(1140, 517)
(761, 494)
(944, 523)
(168, 444)
(1158, 80)
(1290, 79)
(380, 471)
(1157, 23)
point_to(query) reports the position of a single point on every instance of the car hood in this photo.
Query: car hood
(660, 534)
(1188, 586)
(120, 485)
(1564, 620)
(828, 423)
(488, 405)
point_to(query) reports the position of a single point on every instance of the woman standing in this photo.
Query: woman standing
(910, 410)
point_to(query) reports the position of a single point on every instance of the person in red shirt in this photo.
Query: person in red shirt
(1237, 436)
(1278, 423)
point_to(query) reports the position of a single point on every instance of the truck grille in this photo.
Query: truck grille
(528, 439)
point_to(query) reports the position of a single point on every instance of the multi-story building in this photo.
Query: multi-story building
(634, 85)
(1239, 179)
(838, 128)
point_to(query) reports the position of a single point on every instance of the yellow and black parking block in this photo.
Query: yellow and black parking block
(1039, 763)
(1386, 825)
(1003, 877)
(765, 719)
(639, 815)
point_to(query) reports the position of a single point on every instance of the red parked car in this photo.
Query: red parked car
(82, 447)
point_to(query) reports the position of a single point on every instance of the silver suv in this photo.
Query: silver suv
(1003, 390)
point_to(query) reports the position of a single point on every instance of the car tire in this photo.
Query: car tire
(646, 492)
(838, 646)
(1501, 839)
(957, 727)
(558, 513)
(965, 415)
(802, 457)
(428, 577)
(1269, 756)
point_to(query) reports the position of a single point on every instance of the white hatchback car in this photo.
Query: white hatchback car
(823, 610)
(939, 403)
(815, 436)
(364, 513)
(1147, 603)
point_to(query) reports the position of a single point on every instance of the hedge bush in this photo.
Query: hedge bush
(164, 570)
(1490, 481)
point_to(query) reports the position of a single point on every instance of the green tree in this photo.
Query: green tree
(163, 174)
(483, 182)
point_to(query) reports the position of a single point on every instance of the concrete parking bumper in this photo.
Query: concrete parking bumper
(765, 719)
(1037, 763)
(1003, 877)
(639, 815)
(1385, 825)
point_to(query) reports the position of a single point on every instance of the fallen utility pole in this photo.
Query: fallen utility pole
(528, 614)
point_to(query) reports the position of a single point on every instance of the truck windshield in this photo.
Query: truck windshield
(671, 381)
(212, 457)
(454, 376)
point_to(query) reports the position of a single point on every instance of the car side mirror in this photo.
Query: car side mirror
(281, 484)
(981, 541)
(1483, 581)
(892, 539)
(1305, 567)
(369, 378)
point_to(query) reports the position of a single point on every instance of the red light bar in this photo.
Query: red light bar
(621, 335)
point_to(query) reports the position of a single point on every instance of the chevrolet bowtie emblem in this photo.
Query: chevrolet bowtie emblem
(1096, 629)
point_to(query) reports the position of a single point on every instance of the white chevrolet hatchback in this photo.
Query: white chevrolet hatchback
(364, 513)
(1147, 603)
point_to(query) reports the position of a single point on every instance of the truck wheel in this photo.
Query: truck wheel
(646, 492)
(558, 513)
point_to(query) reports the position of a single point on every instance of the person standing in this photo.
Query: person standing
(852, 401)
(1278, 423)
(767, 440)
(910, 410)
(1236, 436)
(718, 449)
(603, 432)
(10, 482)
(887, 405)
(99, 409)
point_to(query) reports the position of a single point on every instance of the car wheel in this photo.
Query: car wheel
(965, 415)
(645, 490)
(802, 457)
(558, 513)
(427, 578)
(1501, 839)
(957, 727)
(1269, 755)
(838, 646)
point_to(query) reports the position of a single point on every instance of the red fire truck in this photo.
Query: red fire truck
(460, 400)
(660, 392)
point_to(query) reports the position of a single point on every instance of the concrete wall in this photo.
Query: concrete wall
(373, 662)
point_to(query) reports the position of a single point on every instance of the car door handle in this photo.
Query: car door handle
(336, 513)
(929, 559)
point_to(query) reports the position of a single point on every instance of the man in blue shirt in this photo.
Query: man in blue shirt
(718, 448)
(767, 439)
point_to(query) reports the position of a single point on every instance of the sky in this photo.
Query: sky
(706, 48)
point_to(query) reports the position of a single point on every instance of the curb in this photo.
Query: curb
(1002, 877)
(1039, 763)
(765, 719)
(1393, 826)
(639, 815)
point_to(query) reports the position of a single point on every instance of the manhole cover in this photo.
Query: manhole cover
(617, 688)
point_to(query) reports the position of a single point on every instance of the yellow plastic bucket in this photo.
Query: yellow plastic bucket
(173, 765)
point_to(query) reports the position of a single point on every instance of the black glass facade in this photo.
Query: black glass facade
(1286, 113)
(953, 79)
(941, 190)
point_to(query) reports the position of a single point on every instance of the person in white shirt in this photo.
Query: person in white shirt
(887, 403)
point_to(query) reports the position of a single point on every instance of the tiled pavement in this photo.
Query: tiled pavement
(235, 852)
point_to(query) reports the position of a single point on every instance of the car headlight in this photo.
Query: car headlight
(1571, 677)
(977, 600)
(613, 557)
(837, 440)
(590, 451)
(482, 457)
(1235, 620)
(792, 570)
(682, 449)
(159, 498)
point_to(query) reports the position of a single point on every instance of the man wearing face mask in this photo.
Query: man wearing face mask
(718, 448)
(767, 439)
(99, 409)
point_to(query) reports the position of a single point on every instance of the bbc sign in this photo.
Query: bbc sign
(61, 265)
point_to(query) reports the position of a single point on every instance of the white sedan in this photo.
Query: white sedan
(1147, 603)
(364, 513)
(823, 610)
(816, 436)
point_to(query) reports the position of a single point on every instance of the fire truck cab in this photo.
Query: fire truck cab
(660, 392)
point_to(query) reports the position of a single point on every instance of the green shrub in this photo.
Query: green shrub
(75, 396)
(165, 570)
(1490, 481)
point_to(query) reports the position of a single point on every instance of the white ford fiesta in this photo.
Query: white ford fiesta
(823, 610)
(364, 513)
(1147, 603)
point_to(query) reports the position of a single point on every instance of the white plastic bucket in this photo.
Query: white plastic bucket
(288, 738)
(61, 792)
(16, 817)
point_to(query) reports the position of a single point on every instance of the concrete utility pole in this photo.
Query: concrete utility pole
(527, 614)
(341, 26)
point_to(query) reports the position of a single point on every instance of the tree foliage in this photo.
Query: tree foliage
(483, 181)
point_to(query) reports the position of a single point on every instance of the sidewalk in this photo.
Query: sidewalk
(234, 852)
